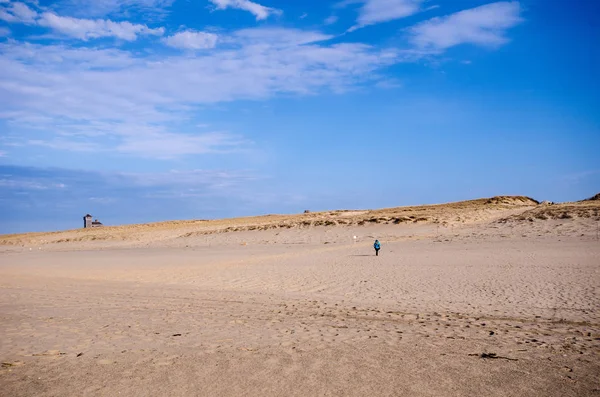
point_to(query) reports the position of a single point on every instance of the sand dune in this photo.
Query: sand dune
(489, 297)
(465, 212)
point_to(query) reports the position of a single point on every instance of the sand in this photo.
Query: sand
(470, 302)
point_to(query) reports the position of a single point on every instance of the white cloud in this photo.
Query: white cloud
(103, 200)
(83, 29)
(142, 140)
(259, 11)
(484, 26)
(86, 29)
(377, 11)
(76, 82)
(166, 145)
(74, 98)
(188, 178)
(63, 144)
(277, 37)
(388, 84)
(65, 58)
(331, 20)
(192, 40)
(195, 192)
(18, 13)
(101, 8)
(4, 31)
(29, 184)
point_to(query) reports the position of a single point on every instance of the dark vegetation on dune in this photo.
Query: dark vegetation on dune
(594, 198)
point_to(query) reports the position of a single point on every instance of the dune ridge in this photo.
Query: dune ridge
(498, 209)
(463, 212)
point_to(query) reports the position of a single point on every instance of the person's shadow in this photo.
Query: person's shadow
(362, 255)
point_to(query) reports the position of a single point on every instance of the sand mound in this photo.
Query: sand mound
(583, 209)
(512, 200)
(594, 198)
(462, 213)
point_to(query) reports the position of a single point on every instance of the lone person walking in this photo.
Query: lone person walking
(377, 247)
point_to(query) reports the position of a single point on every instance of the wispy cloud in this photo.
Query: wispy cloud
(18, 13)
(4, 31)
(277, 37)
(485, 26)
(87, 94)
(21, 184)
(192, 40)
(330, 20)
(134, 138)
(59, 197)
(190, 178)
(57, 178)
(101, 8)
(103, 200)
(388, 84)
(166, 145)
(86, 29)
(83, 29)
(258, 10)
(59, 57)
(63, 144)
(120, 101)
(378, 11)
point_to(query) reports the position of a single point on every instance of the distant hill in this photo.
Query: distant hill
(480, 211)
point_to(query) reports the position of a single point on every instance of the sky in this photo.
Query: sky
(146, 110)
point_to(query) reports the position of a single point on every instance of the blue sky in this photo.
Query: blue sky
(147, 110)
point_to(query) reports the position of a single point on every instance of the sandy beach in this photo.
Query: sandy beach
(496, 297)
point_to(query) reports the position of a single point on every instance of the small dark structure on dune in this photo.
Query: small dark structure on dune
(87, 222)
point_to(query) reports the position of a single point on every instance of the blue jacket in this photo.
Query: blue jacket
(377, 245)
